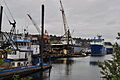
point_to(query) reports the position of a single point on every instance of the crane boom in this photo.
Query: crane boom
(66, 27)
(34, 23)
(64, 18)
(67, 36)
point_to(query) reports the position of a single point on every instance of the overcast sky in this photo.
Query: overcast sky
(87, 18)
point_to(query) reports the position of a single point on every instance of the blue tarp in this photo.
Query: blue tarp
(8, 61)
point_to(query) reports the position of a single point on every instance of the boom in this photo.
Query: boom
(64, 19)
(67, 36)
(34, 23)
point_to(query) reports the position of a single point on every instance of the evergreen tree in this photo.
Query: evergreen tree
(110, 69)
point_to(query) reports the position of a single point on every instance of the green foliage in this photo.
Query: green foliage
(116, 78)
(1, 61)
(82, 51)
(6, 51)
(111, 69)
(17, 77)
(27, 78)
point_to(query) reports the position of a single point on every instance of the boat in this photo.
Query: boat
(20, 58)
(109, 47)
(7, 74)
(97, 47)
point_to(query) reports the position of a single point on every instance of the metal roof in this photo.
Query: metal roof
(20, 41)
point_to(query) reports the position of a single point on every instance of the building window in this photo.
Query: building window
(13, 64)
(18, 64)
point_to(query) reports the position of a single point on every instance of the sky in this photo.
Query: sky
(86, 18)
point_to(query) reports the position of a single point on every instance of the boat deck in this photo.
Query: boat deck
(21, 71)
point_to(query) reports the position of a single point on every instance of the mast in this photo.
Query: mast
(42, 34)
(1, 11)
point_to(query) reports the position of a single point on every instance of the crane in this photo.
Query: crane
(66, 27)
(34, 23)
(8, 37)
(13, 22)
(67, 34)
(46, 35)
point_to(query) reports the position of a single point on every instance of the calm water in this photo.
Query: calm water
(84, 68)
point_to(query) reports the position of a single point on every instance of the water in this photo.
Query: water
(83, 68)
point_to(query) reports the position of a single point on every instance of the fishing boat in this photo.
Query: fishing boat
(23, 56)
(20, 59)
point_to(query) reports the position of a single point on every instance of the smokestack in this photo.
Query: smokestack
(1, 11)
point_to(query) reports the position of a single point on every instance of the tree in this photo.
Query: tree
(17, 77)
(5, 52)
(110, 69)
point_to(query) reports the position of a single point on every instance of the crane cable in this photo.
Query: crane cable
(7, 16)
(0, 4)
(8, 10)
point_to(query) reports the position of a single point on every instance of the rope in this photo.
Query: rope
(8, 9)
(7, 16)
(0, 4)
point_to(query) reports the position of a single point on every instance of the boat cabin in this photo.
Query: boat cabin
(22, 56)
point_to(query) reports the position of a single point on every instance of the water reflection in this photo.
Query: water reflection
(68, 68)
(95, 60)
(83, 68)
(93, 63)
(40, 75)
(68, 64)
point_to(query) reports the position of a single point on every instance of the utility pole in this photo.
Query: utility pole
(42, 34)
(1, 11)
